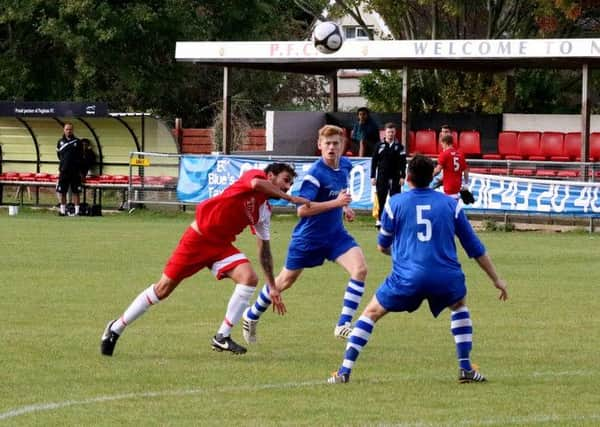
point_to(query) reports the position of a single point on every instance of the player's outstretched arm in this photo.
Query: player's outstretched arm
(343, 199)
(272, 190)
(486, 265)
(266, 262)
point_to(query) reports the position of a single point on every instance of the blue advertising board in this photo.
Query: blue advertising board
(201, 177)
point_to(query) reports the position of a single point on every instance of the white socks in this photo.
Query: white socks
(239, 301)
(138, 307)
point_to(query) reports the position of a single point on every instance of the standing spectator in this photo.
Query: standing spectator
(388, 167)
(319, 235)
(418, 229)
(88, 158)
(365, 133)
(69, 152)
(452, 163)
(208, 242)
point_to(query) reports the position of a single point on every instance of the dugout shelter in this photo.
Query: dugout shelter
(29, 132)
(499, 55)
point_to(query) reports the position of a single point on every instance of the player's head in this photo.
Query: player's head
(390, 131)
(281, 174)
(331, 143)
(447, 140)
(68, 129)
(362, 114)
(420, 171)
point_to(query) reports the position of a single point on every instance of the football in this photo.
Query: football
(328, 37)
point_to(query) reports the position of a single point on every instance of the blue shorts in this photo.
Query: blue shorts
(440, 293)
(306, 254)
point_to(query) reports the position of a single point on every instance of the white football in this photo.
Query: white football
(328, 37)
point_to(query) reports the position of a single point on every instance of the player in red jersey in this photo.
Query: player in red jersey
(208, 242)
(455, 170)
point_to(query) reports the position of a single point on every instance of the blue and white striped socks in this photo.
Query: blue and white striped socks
(263, 301)
(462, 329)
(363, 328)
(352, 297)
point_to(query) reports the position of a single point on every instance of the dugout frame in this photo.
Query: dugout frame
(498, 55)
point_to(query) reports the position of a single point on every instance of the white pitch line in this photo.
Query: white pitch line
(24, 410)
(40, 407)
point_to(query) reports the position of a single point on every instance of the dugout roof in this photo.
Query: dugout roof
(468, 55)
(29, 132)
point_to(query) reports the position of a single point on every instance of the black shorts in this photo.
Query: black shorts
(69, 180)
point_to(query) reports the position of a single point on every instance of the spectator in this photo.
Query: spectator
(365, 133)
(388, 167)
(418, 229)
(88, 158)
(69, 152)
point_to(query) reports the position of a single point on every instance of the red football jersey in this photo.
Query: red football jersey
(453, 164)
(225, 215)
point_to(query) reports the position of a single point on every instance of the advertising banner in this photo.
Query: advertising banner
(206, 176)
(508, 194)
(201, 177)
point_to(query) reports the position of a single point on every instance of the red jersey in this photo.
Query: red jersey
(453, 164)
(226, 215)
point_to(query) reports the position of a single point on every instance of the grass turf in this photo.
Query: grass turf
(64, 278)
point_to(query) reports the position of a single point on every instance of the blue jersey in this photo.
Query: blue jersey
(420, 226)
(321, 184)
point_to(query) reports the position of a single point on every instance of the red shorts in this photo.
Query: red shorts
(196, 251)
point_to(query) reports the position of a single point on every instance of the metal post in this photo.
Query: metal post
(585, 120)
(333, 91)
(226, 111)
(404, 133)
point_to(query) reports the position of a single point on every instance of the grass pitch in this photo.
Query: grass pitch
(62, 279)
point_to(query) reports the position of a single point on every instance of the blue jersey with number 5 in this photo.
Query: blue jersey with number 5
(420, 226)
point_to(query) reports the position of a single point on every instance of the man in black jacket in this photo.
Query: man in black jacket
(388, 167)
(69, 152)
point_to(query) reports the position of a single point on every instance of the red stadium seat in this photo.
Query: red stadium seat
(469, 143)
(595, 146)
(426, 142)
(523, 172)
(572, 148)
(499, 171)
(547, 173)
(551, 146)
(568, 173)
(507, 146)
(411, 141)
(529, 144)
(26, 176)
(479, 170)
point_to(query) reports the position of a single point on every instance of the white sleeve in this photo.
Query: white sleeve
(262, 228)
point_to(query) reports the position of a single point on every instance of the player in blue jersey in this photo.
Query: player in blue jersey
(418, 229)
(319, 235)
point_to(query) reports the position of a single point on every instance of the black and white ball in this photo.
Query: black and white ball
(328, 37)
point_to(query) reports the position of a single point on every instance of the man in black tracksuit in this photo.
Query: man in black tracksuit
(69, 152)
(388, 167)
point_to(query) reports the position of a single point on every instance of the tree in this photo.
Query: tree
(122, 53)
(451, 91)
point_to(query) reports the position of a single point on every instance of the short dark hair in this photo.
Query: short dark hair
(448, 139)
(420, 170)
(390, 125)
(365, 109)
(277, 168)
